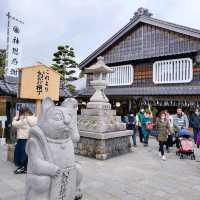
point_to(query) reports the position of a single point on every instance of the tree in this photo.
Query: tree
(65, 64)
(2, 62)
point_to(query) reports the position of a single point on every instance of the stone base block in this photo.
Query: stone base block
(103, 146)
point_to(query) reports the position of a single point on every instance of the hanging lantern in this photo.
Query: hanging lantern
(84, 103)
(118, 104)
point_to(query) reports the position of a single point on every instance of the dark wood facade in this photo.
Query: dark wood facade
(143, 41)
(147, 41)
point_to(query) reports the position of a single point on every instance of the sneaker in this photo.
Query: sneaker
(163, 158)
(159, 153)
(78, 197)
(20, 170)
(17, 170)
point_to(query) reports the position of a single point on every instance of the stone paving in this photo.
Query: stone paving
(139, 175)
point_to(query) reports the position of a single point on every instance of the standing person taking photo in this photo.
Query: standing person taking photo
(180, 122)
(163, 128)
(23, 121)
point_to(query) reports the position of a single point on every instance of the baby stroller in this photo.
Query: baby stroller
(185, 149)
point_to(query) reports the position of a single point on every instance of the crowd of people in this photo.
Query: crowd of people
(166, 126)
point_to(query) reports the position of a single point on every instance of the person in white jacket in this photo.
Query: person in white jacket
(22, 122)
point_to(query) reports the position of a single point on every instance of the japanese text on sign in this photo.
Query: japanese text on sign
(14, 47)
(63, 188)
(42, 81)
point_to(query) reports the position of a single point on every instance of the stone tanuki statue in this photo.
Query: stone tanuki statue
(52, 173)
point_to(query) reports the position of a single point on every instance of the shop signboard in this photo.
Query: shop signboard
(37, 82)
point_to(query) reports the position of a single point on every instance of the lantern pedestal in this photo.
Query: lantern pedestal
(103, 145)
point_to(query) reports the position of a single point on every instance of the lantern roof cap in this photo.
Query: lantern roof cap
(98, 67)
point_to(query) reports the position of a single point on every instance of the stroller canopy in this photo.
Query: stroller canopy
(184, 132)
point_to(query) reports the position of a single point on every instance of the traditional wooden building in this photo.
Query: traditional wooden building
(155, 62)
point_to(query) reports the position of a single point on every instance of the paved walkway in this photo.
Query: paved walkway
(140, 175)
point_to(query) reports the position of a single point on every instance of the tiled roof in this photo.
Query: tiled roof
(133, 22)
(141, 91)
(8, 85)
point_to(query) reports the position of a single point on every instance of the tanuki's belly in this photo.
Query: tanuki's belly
(63, 154)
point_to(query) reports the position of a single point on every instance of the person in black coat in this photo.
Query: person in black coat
(195, 123)
(131, 126)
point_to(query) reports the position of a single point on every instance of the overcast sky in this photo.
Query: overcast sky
(83, 24)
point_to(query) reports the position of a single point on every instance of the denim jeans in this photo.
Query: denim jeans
(20, 157)
(140, 134)
(146, 139)
(134, 137)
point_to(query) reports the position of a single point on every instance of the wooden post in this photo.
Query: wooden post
(38, 106)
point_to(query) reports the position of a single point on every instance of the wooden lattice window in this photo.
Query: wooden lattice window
(122, 75)
(173, 71)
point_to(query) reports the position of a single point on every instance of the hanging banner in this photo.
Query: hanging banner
(14, 46)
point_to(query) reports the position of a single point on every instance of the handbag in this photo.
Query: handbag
(149, 125)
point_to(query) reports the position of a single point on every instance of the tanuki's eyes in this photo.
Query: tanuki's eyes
(58, 116)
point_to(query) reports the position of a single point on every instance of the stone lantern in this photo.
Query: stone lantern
(99, 71)
(103, 135)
